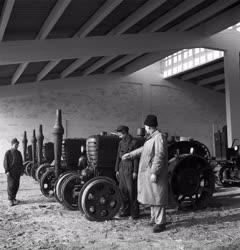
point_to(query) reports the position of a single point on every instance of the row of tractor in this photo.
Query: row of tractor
(79, 173)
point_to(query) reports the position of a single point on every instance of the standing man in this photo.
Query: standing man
(153, 173)
(126, 173)
(13, 165)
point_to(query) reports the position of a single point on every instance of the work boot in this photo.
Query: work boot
(11, 203)
(159, 228)
(16, 202)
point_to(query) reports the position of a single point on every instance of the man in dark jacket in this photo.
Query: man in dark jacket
(13, 165)
(126, 173)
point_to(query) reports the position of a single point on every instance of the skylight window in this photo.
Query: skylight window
(186, 59)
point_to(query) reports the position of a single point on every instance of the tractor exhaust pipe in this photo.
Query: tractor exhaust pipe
(58, 132)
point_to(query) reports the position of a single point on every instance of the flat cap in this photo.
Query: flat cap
(122, 128)
(14, 140)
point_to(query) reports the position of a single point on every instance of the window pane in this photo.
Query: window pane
(196, 50)
(210, 56)
(202, 59)
(196, 61)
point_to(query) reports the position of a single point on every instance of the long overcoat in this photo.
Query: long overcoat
(154, 160)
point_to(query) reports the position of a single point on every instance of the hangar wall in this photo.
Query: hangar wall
(100, 103)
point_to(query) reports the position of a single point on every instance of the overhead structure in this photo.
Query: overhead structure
(104, 19)
(54, 40)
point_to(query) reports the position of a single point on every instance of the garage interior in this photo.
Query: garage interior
(111, 62)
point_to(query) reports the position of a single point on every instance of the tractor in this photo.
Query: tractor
(229, 172)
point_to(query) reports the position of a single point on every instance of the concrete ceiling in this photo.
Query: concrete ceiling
(54, 20)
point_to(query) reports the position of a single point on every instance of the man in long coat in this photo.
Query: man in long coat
(153, 173)
(13, 165)
(126, 173)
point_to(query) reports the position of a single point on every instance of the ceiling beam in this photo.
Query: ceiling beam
(49, 23)
(54, 49)
(140, 13)
(220, 22)
(18, 72)
(74, 66)
(225, 40)
(211, 80)
(97, 17)
(97, 65)
(52, 19)
(146, 60)
(219, 87)
(120, 63)
(202, 71)
(203, 15)
(46, 70)
(171, 15)
(5, 15)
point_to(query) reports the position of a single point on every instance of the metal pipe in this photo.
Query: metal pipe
(40, 139)
(34, 147)
(24, 142)
(58, 132)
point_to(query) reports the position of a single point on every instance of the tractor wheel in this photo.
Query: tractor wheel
(47, 182)
(70, 189)
(101, 199)
(192, 181)
(58, 185)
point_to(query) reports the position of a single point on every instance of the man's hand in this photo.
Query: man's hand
(153, 178)
(7, 173)
(117, 175)
(126, 156)
(134, 176)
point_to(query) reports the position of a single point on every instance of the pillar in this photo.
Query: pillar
(232, 90)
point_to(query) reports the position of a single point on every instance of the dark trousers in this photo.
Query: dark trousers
(12, 186)
(128, 189)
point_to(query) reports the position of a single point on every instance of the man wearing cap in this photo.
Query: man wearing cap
(153, 173)
(13, 165)
(126, 173)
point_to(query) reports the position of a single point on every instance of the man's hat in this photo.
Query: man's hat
(14, 140)
(151, 121)
(122, 128)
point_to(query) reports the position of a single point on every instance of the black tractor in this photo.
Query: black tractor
(229, 173)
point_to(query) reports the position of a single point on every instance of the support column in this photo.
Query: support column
(232, 89)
